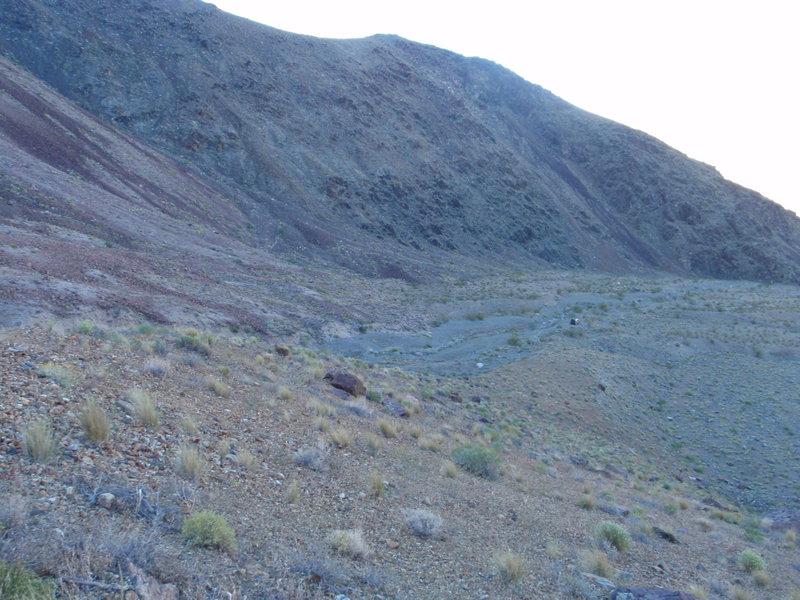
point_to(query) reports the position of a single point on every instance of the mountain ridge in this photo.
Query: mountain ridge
(406, 145)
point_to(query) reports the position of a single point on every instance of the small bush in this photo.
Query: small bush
(738, 593)
(94, 421)
(193, 343)
(377, 486)
(322, 409)
(704, 524)
(449, 469)
(284, 393)
(85, 327)
(209, 529)
(219, 387)
(246, 459)
(510, 566)
(144, 407)
(614, 534)
(373, 444)
(415, 431)
(61, 374)
(387, 428)
(790, 537)
(587, 502)
(292, 493)
(313, 457)
(350, 542)
(189, 425)
(341, 437)
(423, 523)
(430, 442)
(762, 578)
(39, 442)
(18, 583)
(698, 591)
(750, 561)
(597, 562)
(189, 464)
(478, 460)
(156, 366)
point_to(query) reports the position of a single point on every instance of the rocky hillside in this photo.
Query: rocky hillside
(335, 146)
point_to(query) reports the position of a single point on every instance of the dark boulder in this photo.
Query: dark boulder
(347, 382)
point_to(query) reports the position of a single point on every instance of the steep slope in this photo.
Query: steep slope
(91, 219)
(385, 141)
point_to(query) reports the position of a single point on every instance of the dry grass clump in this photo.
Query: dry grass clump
(189, 464)
(415, 431)
(762, 578)
(219, 387)
(209, 529)
(373, 443)
(94, 421)
(790, 537)
(144, 407)
(552, 550)
(387, 428)
(322, 424)
(284, 393)
(61, 374)
(292, 492)
(597, 562)
(39, 441)
(189, 425)
(697, 590)
(246, 459)
(349, 542)
(751, 561)
(510, 566)
(423, 523)
(739, 593)
(614, 534)
(449, 469)
(376, 484)
(156, 366)
(704, 524)
(341, 437)
(432, 443)
(322, 409)
(587, 502)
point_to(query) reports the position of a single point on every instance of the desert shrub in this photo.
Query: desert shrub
(587, 502)
(312, 457)
(156, 366)
(751, 561)
(18, 583)
(194, 343)
(377, 485)
(415, 431)
(510, 566)
(209, 529)
(739, 593)
(350, 542)
(373, 396)
(189, 464)
(449, 469)
(423, 523)
(387, 428)
(671, 508)
(85, 327)
(219, 387)
(341, 437)
(284, 393)
(189, 425)
(478, 460)
(61, 374)
(761, 578)
(39, 441)
(94, 421)
(704, 524)
(597, 562)
(698, 591)
(144, 407)
(790, 537)
(614, 534)
(322, 409)
(246, 459)
(373, 444)
(292, 492)
(430, 442)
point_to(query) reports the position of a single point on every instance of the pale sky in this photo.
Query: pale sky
(717, 80)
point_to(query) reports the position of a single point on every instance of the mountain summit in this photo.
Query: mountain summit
(379, 153)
